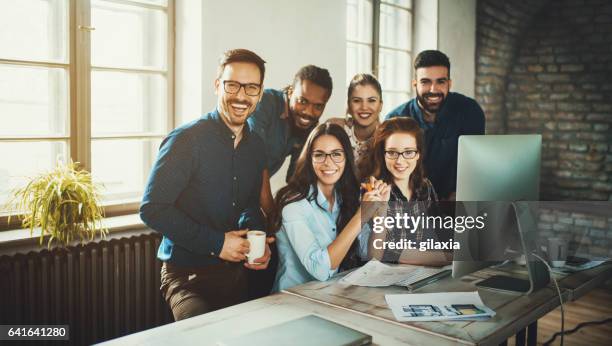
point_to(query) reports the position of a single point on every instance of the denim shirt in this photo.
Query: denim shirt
(459, 115)
(201, 187)
(306, 232)
(270, 121)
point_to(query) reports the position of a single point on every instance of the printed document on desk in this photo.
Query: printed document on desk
(377, 274)
(449, 306)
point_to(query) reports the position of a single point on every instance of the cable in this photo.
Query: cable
(560, 296)
(575, 329)
(502, 264)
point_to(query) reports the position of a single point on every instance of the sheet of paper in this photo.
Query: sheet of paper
(377, 274)
(448, 306)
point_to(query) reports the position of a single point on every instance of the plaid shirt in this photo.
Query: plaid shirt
(399, 204)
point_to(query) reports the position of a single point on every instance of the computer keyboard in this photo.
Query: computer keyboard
(420, 274)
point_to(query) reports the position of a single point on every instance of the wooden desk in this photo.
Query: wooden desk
(513, 312)
(365, 309)
(583, 282)
(576, 284)
(211, 328)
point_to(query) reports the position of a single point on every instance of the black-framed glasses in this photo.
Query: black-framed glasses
(394, 155)
(233, 87)
(336, 156)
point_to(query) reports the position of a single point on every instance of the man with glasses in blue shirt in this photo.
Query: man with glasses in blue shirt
(443, 116)
(203, 194)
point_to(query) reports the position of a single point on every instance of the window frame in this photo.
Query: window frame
(375, 45)
(79, 68)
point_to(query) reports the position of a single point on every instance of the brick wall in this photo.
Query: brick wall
(546, 67)
(500, 27)
(586, 234)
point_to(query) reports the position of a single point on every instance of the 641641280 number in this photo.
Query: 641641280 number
(34, 332)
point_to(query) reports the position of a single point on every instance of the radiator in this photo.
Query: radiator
(103, 290)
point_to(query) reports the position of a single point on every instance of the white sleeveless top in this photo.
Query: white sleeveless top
(360, 148)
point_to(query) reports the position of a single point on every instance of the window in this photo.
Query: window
(379, 42)
(86, 80)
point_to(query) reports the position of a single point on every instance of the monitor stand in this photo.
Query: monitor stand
(538, 276)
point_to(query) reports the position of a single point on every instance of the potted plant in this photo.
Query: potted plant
(63, 203)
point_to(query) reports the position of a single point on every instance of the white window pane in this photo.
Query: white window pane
(128, 36)
(358, 60)
(394, 70)
(122, 166)
(128, 102)
(33, 100)
(395, 26)
(402, 3)
(23, 160)
(393, 99)
(359, 20)
(34, 30)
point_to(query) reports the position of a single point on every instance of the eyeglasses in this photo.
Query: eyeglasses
(233, 87)
(336, 156)
(394, 155)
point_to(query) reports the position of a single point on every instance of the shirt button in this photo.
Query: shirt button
(235, 178)
(233, 136)
(212, 253)
(233, 204)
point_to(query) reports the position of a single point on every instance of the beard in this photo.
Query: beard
(298, 131)
(234, 118)
(429, 107)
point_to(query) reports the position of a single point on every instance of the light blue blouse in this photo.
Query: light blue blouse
(302, 241)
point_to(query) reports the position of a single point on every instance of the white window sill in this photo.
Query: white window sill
(20, 240)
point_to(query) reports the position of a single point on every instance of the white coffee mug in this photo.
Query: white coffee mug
(257, 240)
(557, 251)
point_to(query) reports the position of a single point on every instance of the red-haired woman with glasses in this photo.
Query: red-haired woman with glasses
(397, 159)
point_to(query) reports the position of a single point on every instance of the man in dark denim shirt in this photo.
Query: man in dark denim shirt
(283, 119)
(203, 193)
(444, 116)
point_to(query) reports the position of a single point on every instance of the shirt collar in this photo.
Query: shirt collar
(418, 115)
(224, 130)
(397, 195)
(323, 202)
(418, 112)
(285, 113)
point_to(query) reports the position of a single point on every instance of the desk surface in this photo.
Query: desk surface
(214, 327)
(513, 312)
(365, 309)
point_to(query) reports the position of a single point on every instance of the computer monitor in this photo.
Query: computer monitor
(494, 172)
(498, 168)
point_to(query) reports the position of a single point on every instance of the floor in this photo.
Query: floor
(596, 305)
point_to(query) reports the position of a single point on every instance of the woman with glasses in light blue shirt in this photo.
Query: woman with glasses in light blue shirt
(319, 216)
